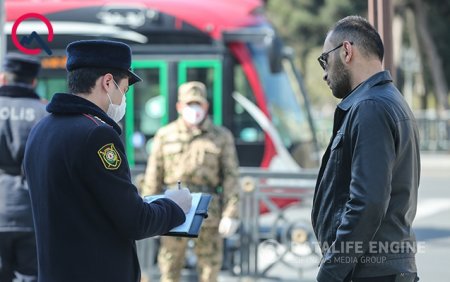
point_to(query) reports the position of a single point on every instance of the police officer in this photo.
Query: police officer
(20, 109)
(87, 213)
(203, 157)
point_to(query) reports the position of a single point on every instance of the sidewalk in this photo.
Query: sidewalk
(435, 161)
(225, 276)
(283, 273)
(433, 164)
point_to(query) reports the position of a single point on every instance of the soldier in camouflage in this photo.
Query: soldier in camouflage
(203, 157)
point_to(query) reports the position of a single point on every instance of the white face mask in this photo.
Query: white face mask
(193, 114)
(116, 112)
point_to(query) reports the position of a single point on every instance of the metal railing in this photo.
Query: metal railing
(434, 130)
(282, 234)
(275, 217)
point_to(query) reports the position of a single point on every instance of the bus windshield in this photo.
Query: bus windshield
(285, 106)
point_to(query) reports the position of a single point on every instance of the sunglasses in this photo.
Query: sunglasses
(323, 59)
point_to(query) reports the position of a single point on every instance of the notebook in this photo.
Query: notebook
(194, 218)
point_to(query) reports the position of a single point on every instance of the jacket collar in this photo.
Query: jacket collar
(63, 103)
(360, 92)
(18, 91)
(205, 126)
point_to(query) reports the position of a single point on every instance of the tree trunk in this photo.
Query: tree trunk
(432, 57)
(419, 76)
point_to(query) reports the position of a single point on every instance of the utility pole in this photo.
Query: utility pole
(380, 16)
(2, 32)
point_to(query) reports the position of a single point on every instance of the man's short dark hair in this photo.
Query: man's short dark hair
(358, 30)
(83, 80)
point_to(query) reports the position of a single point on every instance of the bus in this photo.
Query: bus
(253, 86)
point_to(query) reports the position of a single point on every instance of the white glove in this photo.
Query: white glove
(182, 197)
(228, 226)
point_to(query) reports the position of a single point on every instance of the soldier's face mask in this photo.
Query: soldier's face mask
(193, 113)
(116, 112)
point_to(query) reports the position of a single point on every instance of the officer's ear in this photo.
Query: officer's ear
(34, 83)
(107, 82)
(3, 80)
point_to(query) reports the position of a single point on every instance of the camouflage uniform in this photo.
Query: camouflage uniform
(204, 159)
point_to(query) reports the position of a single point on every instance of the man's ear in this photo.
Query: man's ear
(348, 48)
(179, 107)
(205, 106)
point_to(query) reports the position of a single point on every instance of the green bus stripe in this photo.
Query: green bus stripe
(129, 117)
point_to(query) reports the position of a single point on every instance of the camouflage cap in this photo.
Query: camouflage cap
(193, 91)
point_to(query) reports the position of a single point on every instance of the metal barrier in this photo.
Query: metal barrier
(434, 130)
(147, 252)
(283, 235)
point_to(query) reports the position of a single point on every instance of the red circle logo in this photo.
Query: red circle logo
(16, 41)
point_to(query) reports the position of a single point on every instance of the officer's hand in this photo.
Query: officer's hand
(228, 226)
(182, 197)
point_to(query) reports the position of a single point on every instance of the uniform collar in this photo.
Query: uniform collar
(63, 103)
(360, 92)
(18, 91)
(205, 126)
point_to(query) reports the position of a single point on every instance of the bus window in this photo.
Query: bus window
(244, 128)
(287, 109)
(249, 136)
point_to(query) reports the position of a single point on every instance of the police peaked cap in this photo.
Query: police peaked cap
(21, 65)
(100, 54)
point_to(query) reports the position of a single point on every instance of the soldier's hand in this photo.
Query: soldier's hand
(182, 197)
(228, 226)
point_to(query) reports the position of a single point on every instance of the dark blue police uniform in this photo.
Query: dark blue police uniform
(20, 109)
(86, 211)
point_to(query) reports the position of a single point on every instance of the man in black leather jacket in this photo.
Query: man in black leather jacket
(20, 109)
(366, 192)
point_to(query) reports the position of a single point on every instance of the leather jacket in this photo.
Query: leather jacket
(366, 192)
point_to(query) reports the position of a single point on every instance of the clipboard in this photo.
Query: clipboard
(194, 218)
